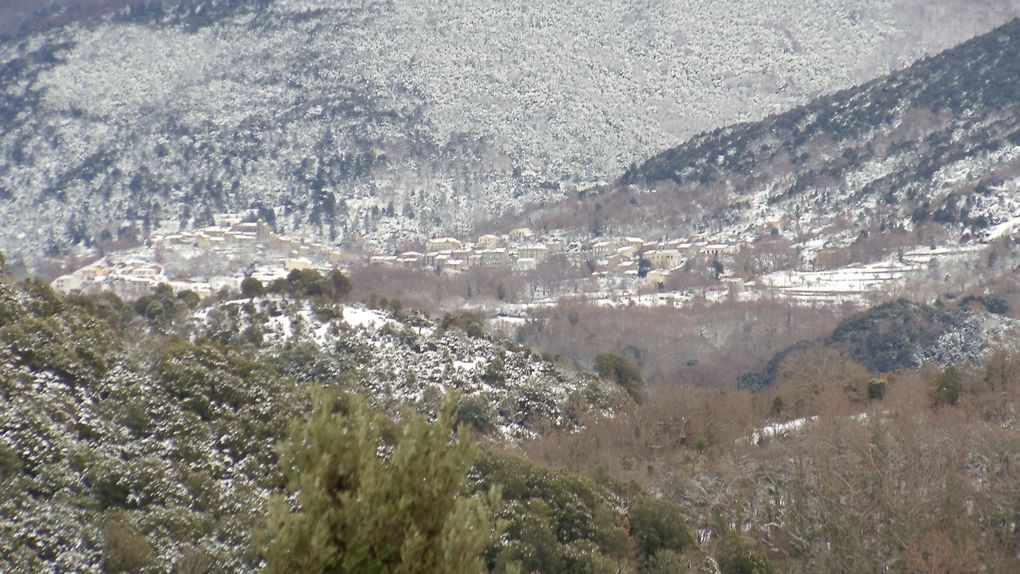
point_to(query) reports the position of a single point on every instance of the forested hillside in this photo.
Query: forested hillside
(927, 152)
(384, 121)
(144, 434)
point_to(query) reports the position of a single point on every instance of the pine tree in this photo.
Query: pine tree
(369, 497)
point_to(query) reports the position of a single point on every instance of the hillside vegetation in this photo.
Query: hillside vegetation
(384, 121)
(143, 436)
(927, 153)
(833, 469)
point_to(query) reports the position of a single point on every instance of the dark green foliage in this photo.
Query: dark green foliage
(406, 511)
(252, 287)
(493, 373)
(667, 562)
(10, 463)
(658, 526)
(644, 266)
(738, 555)
(778, 406)
(470, 323)
(556, 521)
(885, 339)
(876, 389)
(623, 372)
(310, 283)
(476, 412)
(206, 374)
(770, 374)
(995, 305)
(71, 339)
(947, 387)
(891, 337)
(162, 306)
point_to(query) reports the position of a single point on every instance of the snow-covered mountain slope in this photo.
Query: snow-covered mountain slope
(388, 120)
(936, 143)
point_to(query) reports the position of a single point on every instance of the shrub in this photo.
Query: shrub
(252, 288)
(623, 372)
(667, 562)
(658, 526)
(551, 516)
(476, 412)
(876, 389)
(361, 511)
(738, 555)
(10, 463)
(947, 387)
(125, 549)
(470, 323)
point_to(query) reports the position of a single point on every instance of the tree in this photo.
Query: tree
(658, 526)
(738, 555)
(717, 269)
(644, 266)
(252, 287)
(341, 284)
(623, 372)
(371, 497)
(947, 387)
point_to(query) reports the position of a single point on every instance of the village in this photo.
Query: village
(522, 251)
(617, 270)
(203, 261)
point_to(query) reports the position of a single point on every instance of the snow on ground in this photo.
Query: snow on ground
(779, 429)
(368, 318)
(406, 360)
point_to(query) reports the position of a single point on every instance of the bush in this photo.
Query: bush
(551, 516)
(252, 288)
(125, 549)
(360, 511)
(658, 526)
(876, 389)
(623, 372)
(947, 387)
(667, 562)
(738, 555)
(470, 323)
(476, 412)
(10, 463)
(310, 283)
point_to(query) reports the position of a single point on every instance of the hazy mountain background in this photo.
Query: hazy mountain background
(390, 120)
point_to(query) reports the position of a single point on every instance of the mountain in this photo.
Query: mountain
(936, 143)
(381, 121)
(931, 151)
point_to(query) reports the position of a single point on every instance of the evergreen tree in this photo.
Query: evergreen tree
(623, 372)
(373, 498)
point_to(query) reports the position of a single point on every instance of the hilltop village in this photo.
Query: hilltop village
(203, 261)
